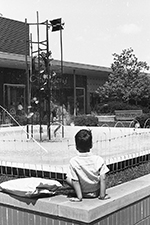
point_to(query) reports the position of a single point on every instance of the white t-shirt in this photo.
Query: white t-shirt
(87, 168)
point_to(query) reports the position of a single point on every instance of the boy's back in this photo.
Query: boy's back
(86, 170)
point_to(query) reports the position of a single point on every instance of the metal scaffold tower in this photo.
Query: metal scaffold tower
(39, 50)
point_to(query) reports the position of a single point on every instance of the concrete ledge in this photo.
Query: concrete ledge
(88, 210)
(121, 196)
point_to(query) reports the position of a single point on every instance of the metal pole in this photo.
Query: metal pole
(39, 75)
(30, 85)
(28, 82)
(74, 89)
(61, 49)
(48, 84)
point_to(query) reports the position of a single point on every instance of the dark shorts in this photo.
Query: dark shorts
(94, 194)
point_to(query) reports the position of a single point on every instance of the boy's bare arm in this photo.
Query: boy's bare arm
(102, 186)
(103, 194)
(77, 188)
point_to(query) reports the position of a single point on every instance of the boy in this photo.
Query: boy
(86, 171)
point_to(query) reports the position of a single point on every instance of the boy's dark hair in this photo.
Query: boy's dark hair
(83, 140)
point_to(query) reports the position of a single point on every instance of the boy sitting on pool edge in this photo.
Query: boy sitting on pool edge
(87, 172)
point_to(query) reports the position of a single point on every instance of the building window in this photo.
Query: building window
(14, 98)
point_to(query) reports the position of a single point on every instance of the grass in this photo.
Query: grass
(127, 174)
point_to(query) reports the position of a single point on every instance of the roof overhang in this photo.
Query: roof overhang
(9, 60)
(80, 69)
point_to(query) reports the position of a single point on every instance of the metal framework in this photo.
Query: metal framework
(56, 25)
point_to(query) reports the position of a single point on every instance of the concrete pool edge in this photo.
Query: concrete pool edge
(87, 211)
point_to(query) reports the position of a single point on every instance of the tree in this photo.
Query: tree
(128, 81)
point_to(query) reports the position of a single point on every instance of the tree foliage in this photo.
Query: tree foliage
(128, 81)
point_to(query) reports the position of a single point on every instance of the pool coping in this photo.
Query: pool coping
(88, 210)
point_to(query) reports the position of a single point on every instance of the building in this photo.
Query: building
(14, 36)
(81, 80)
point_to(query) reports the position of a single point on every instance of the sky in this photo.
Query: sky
(93, 30)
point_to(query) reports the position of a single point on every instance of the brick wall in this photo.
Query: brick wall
(137, 213)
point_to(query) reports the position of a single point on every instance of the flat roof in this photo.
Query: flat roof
(81, 69)
(15, 61)
(9, 60)
(82, 66)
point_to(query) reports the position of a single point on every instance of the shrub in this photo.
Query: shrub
(110, 107)
(85, 120)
